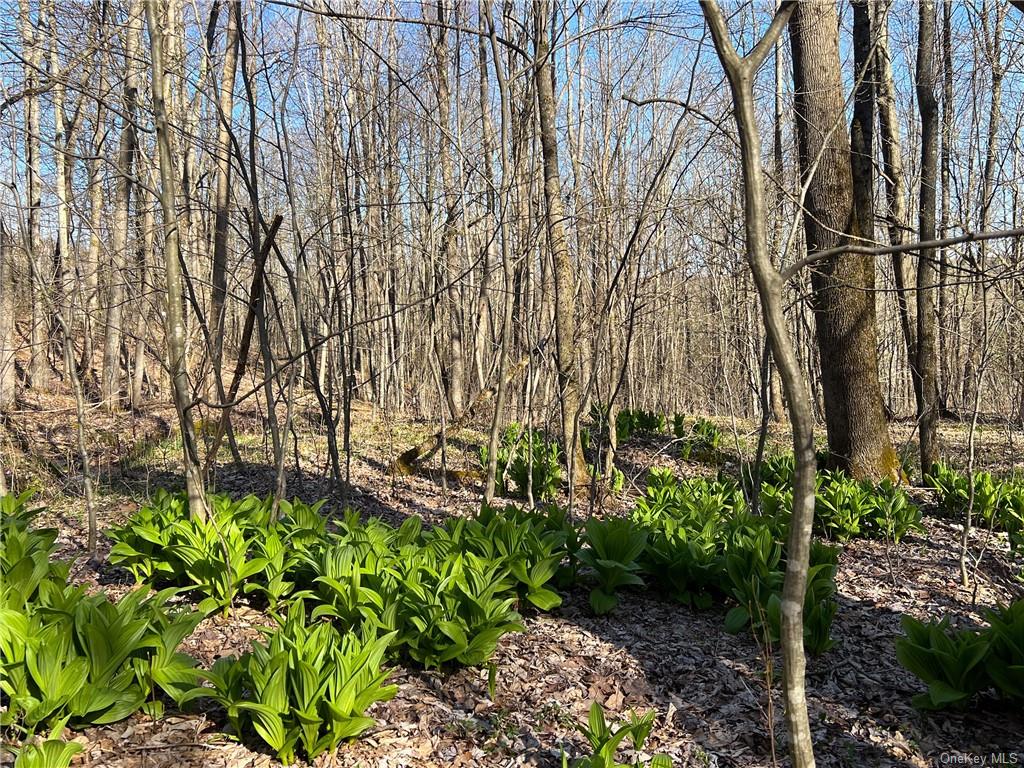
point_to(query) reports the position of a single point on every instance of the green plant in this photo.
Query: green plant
(141, 544)
(220, 556)
(688, 562)
(532, 551)
(754, 566)
(756, 582)
(625, 425)
(280, 559)
(528, 459)
(616, 481)
(214, 556)
(776, 471)
(702, 443)
(307, 686)
(1005, 661)
(72, 656)
(604, 741)
(346, 584)
(612, 554)
(891, 515)
(452, 608)
(687, 523)
(15, 512)
(844, 508)
(25, 555)
(950, 663)
(51, 752)
(955, 493)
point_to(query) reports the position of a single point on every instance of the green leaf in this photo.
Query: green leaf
(602, 602)
(736, 619)
(545, 599)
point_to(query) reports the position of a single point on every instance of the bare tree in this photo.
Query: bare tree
(564, 279)
(110, 384)
(741, 72)
(175, 321)
(925, 368)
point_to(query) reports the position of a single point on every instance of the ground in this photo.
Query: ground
(709, 688)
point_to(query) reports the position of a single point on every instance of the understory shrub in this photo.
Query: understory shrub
(307, 686)
(997, 503)
(844, 508)
(242, 545)
(957, 664)
(70, 658)
(612, 555)
(353, 597)
(50, 752)
(527, 460)
(706, 547)
(366, 592)
(445, 595)
(701, 443)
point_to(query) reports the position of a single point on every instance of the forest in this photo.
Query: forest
(561, 383)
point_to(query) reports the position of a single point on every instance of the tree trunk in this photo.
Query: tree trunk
(452, 355)
(741, 74)
(38, 284)
(925, 365)
(505, 352)
(110, 384)
(565, 284)
(8, 379)
(222, 201)
(844, 301)
(175, 321)
(893, 175)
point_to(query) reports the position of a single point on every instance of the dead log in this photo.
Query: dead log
(408, 461)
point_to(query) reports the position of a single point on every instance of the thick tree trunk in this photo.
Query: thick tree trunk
(565, 284)
(925, 366)
(844, 300)
(175, 321)
(862, 133)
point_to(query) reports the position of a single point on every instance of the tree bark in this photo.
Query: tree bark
(452, 355)
(8, 379)
(893, 176)
(110, 383)
(38, 284)
(925, 368)
(844, 301)
(741, 73)
(175, 321)
(565, 284)
(222, 200)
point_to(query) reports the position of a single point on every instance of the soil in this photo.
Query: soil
(715, 704)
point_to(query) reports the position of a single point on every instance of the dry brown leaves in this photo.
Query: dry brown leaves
(709, 689)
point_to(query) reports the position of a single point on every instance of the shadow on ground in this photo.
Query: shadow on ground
(708, 687)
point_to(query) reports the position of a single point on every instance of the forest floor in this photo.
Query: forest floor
(714, 704)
